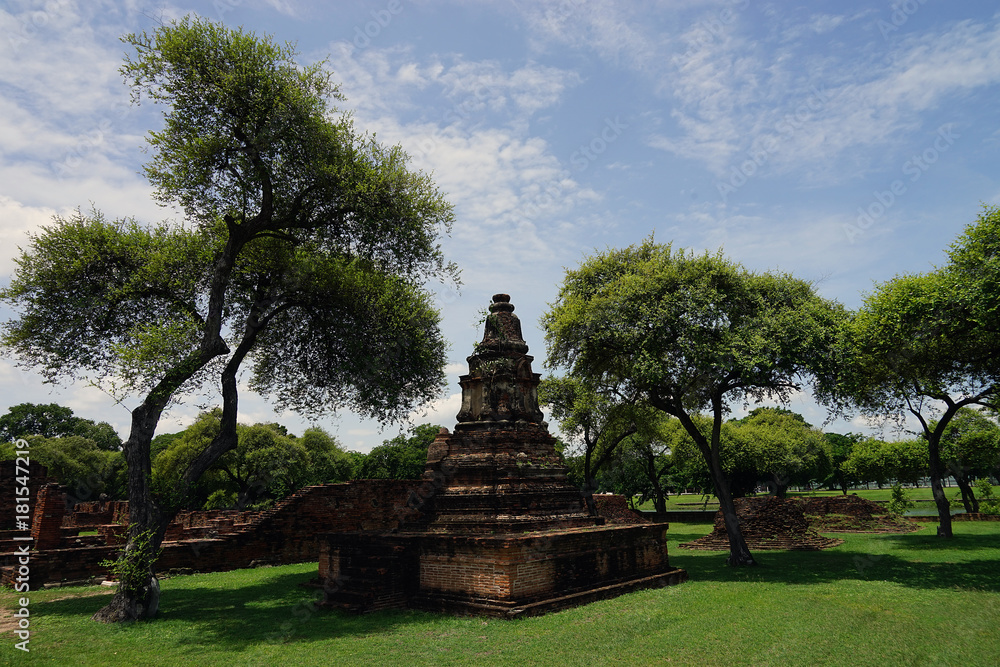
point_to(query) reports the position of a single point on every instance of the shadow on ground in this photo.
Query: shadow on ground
(278, 609)
(863, 558)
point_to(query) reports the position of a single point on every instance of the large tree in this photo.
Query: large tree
(840, 447)
(303, 250)
(779, 447)
(899, 461)
(593, 422)
(773, 447)
(690, 333)
(925, 346)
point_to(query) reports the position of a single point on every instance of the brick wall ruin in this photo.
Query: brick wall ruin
(206, 541)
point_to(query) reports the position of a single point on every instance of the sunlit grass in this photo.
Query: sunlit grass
(692, 501)
(876, 599)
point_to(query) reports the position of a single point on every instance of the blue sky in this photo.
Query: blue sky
(843, 142)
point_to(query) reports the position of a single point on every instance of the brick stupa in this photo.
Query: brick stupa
(502, 531)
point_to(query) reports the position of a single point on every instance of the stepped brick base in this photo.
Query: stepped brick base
(494, 575)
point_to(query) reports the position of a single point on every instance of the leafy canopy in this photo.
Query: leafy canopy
(686, 329)
(304, 249)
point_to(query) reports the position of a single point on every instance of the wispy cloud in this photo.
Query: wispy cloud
(470, 130)
(732, 100)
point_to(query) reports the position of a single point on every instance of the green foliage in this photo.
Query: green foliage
(304, 251)
(970, 443)
(900, 502)
(689, 333)
(177, 455)
(989, 502)
(305, 241)
(770, 445)
(594, 423)
(267, 464)
(402, 457)
(134, 564)
(880, 461)
(925, 345)
(77, 463)
(680, 326)
(840, 447)
(109, 299)
(55, 421)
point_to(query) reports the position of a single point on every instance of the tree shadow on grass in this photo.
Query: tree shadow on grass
(275, 610)
(917, 560)
(959, 541)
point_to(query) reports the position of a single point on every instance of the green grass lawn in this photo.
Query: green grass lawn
(877, 599)
(695, 502)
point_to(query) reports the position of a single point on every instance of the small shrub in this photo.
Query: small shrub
(900, 501)
(132, 567)
(989, 502)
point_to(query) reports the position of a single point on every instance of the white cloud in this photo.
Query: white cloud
(508, 187)
(441, 411)
(16, 220)
(734, 97)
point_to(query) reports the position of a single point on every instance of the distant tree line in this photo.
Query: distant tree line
(268, 463)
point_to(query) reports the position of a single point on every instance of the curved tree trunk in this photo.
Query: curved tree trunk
(968, 496)
(937, 487)
(138, 594)
(739, 552)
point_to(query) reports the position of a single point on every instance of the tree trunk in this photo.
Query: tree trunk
(589, 483)
(660, 503)
(780, 485)
(137, 597)
(739, 552)
(969, 501)
(937, 489)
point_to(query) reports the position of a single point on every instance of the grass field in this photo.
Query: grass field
(696, 502)
(888, 600)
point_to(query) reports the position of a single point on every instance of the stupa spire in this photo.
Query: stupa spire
(500, 386)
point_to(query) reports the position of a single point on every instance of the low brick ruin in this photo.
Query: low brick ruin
(210, 541)
(500, 530)
(853, 514)
(768, 523)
